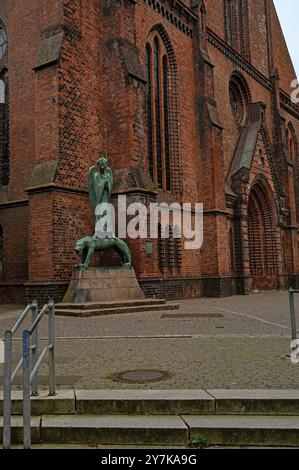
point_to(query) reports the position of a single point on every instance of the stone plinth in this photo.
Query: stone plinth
(102, 285)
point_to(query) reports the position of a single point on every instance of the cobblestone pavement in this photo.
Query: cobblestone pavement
(244, 344)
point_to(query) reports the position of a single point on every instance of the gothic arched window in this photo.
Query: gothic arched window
(236, 17)
(4, 128)
(158, 112)
(3, 41)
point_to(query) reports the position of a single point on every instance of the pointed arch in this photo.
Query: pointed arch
(262, 235)
(162, 111)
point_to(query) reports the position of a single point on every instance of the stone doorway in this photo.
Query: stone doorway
(262, 240)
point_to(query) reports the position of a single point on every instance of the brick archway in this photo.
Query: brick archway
(262, 239)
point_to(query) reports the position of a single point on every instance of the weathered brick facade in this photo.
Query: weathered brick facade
(83, 81)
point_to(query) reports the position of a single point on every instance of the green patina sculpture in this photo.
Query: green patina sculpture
(100, 183)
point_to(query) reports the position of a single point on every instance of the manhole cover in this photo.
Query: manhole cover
(141, 376)
(183, 316)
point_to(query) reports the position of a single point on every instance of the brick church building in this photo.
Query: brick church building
(191, 102)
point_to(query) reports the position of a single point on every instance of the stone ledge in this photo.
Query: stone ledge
(62, 403)
(163, 402)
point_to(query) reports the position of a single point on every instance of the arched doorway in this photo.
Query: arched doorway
(262, 239)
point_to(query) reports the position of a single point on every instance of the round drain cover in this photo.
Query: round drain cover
(141, 376)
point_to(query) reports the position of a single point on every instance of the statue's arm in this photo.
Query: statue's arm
(91, 188)
(91, 172)
(109, 179)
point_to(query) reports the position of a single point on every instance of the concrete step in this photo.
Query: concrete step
(147, 402)
(110, 304)
(61, 404)
(162, 402)
(101, 402)
(232, 430)
(122, 430)
(115, 310)
(256, 401)
(228, 430)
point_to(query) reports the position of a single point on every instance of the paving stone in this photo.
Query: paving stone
(245, 353)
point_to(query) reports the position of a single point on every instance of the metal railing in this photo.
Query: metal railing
(295, 341)
(31, 363)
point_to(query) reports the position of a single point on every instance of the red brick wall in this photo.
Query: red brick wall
(89, 102)
(14, 222)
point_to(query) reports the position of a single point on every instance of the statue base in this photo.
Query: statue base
(102, 284)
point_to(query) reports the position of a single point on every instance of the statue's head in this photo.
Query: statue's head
(82, 244)
(103, 163)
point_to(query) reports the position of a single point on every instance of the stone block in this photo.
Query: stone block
(101, 284)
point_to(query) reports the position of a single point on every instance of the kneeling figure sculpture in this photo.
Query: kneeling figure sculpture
(100, 184)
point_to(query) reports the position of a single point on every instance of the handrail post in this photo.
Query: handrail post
(26, 391)
(29, 358)
(51, 345)
(7, 390)
(293, 318)
(34, 348)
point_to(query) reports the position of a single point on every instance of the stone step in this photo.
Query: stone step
(232, 430)
(122, 430)
(151, 402)
(115, 310)
(256, 401)
(161, 402)
(228, 430)
(110, 304)
(63, 403)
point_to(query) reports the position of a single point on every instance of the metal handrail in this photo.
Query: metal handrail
(295, 341)
(31, 363)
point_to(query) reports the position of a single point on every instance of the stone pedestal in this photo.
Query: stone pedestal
(102, 285)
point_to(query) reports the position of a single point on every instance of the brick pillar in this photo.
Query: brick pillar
(46, 110)
(215, 250)
(123, 94)
(122, 86)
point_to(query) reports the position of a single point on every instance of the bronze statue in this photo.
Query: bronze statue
(100, 183)
(87, 246)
